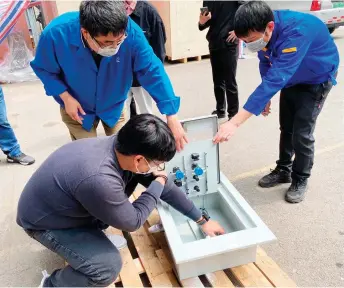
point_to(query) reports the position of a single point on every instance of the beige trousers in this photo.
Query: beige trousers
(76, 130)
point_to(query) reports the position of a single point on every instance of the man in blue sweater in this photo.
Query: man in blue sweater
(85, 186)
(86, 61)
(299, 58)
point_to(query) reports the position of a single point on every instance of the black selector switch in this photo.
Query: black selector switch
(178, 183)
(175, 169)
(196, 188)
(196, 177)
(194, 165)
(195, 156)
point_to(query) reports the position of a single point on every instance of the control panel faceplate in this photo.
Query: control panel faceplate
(196, 169)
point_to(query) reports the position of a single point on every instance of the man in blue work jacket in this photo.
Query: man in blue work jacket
(299, 58)
(86, 61)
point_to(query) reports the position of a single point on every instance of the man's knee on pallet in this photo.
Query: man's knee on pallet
(107, 271)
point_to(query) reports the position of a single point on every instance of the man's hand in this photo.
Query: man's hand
(178, 131)
(231, 36)
(157, 173)
(212, 228)
(228, 129)
(225, 132)
(72, 107)
(204, 18)
(162, 179)
(267, 109)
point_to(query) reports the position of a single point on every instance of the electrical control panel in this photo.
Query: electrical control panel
(196, 171)
(196, 168)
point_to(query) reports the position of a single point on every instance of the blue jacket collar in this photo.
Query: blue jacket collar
(77, 40)
(276, 31)
(76, 37)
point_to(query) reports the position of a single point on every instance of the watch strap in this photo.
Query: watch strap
(202, 221)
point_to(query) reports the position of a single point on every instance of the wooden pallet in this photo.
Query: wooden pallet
(185, 60)
(147, 262)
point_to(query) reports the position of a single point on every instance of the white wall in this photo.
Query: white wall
(64, 6)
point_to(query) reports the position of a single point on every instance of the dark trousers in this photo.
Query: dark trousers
(133, 111)
(224, 65)
(300, 106)
(93, 260)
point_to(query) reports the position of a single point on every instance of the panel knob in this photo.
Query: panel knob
(178, 183)
(196, 188)
(179, 175)
(195, 156)
(198, 171)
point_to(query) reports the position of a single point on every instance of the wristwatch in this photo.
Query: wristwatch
(205, 219)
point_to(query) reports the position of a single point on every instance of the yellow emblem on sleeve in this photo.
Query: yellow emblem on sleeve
(289, 50)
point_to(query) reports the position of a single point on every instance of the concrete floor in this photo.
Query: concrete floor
(310, 235)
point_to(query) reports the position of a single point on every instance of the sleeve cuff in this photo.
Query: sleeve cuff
(195, 214)
(169, 107)
(155, 189)
(253, 108)
(55, 88)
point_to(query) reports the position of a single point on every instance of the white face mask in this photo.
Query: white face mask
(108, 51)
(257, 45)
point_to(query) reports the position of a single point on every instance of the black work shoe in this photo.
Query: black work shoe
(21, 159)
(219, 114)
(277, 176)
(297, 191)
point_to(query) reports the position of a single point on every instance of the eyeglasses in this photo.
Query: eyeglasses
(102, 45)
(160, 167)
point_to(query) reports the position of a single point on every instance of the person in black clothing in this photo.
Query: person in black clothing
(223, 47)
(148, 18)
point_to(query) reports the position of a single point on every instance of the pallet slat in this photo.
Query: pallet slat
(250, 276)
(126, 276)
(192, 282)
(272, 271)
(146, 250)
(186, 59)
(166, 264)
(219, 279)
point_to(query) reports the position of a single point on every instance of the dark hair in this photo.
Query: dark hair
(103, 17)
(252, 16)
(146, 135)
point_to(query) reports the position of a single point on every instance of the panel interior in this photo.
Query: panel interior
(217, 208)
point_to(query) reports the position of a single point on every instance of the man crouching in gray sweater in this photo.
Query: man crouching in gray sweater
(83, 187)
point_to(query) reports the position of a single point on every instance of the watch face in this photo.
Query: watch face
(206, 216)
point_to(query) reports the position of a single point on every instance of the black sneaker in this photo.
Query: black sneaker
(276, 177)
(297, 191)
(21, 159)
(220, 115)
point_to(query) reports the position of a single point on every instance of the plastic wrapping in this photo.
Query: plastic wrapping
(16, 65)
